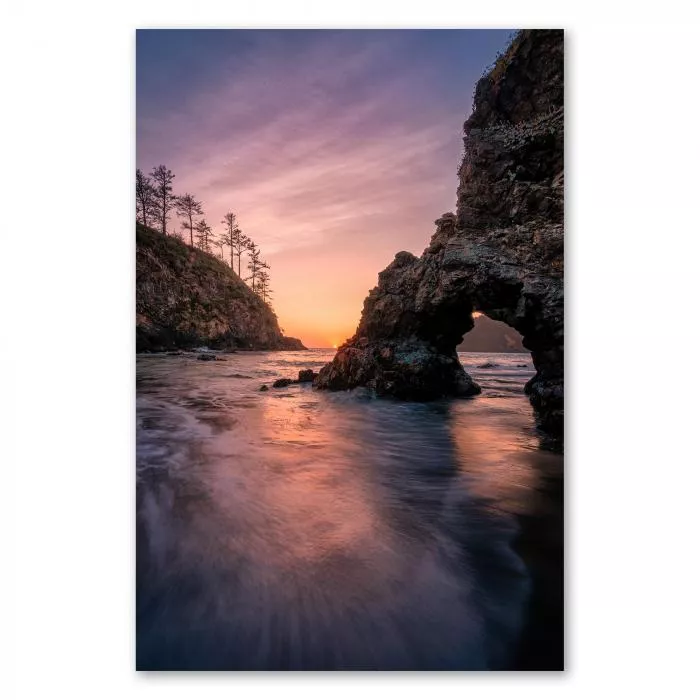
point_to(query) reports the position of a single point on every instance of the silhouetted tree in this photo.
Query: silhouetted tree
(188, 207)
(164, 199)
(220, 243)
(145, 195)
(264, 285)
(233, 237)
(255, 266)
(203, 236)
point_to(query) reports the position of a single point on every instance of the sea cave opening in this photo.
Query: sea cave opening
(490, 335)
(493, 354)
(508, 329)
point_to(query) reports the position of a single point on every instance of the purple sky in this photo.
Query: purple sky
(335, 149)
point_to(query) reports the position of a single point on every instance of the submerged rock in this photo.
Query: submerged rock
(501, 253)
(279, 383)
(307, 375)
(264, 387)
(487, 365)
(404, 370)
(206, 357)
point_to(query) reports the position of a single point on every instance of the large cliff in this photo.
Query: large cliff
(502, 253)
(187, 298)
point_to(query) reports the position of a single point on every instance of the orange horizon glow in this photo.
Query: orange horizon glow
(335, 150)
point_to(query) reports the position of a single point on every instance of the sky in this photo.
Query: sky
(334, 148)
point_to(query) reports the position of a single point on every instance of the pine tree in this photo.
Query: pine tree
(264, 286)
(203, 235)
(187, 207)
(233, 237)
(145, 195)
(164, 199)
(255, 266)
(220, 243)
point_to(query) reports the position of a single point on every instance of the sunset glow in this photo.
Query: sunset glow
(335, 149)
(383, 488)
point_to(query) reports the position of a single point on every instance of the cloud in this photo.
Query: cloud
(318, 151)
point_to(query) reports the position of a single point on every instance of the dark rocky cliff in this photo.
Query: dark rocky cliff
(186, 298)
(502, 253)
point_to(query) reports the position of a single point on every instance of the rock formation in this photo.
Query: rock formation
(502, 253)
(186, 298)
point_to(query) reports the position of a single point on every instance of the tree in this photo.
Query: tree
(203, 236)
(255, 266)
(264, 286)
(145, 195)
(233, 237)
(188, 207)
(164, 199)
(220, 243)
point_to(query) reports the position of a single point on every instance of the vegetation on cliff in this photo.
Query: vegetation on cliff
(186, 297)
(155, 203)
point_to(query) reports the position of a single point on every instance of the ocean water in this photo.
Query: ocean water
(305, 530)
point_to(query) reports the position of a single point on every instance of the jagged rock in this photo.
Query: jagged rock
(502, 253)
(307, 375)
(279, 383)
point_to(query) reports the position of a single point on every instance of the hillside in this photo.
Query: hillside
(186, 298)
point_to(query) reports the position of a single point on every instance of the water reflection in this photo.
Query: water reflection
(305, 530)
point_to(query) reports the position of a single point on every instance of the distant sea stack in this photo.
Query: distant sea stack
(186, 298)
(491, 336)
(502, 253)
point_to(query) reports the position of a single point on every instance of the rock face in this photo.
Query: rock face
(186, 298)
(502, 253)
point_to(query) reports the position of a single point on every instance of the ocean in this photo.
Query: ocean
(294, 529)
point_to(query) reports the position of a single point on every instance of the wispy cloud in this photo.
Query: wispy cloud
(321, 154)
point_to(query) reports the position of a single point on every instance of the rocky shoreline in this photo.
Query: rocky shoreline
(187, 298)
(502, 253)
(294, 345)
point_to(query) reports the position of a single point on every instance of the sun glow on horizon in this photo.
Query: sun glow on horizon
(335, 149)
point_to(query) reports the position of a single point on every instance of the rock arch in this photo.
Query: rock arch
(501, 253)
